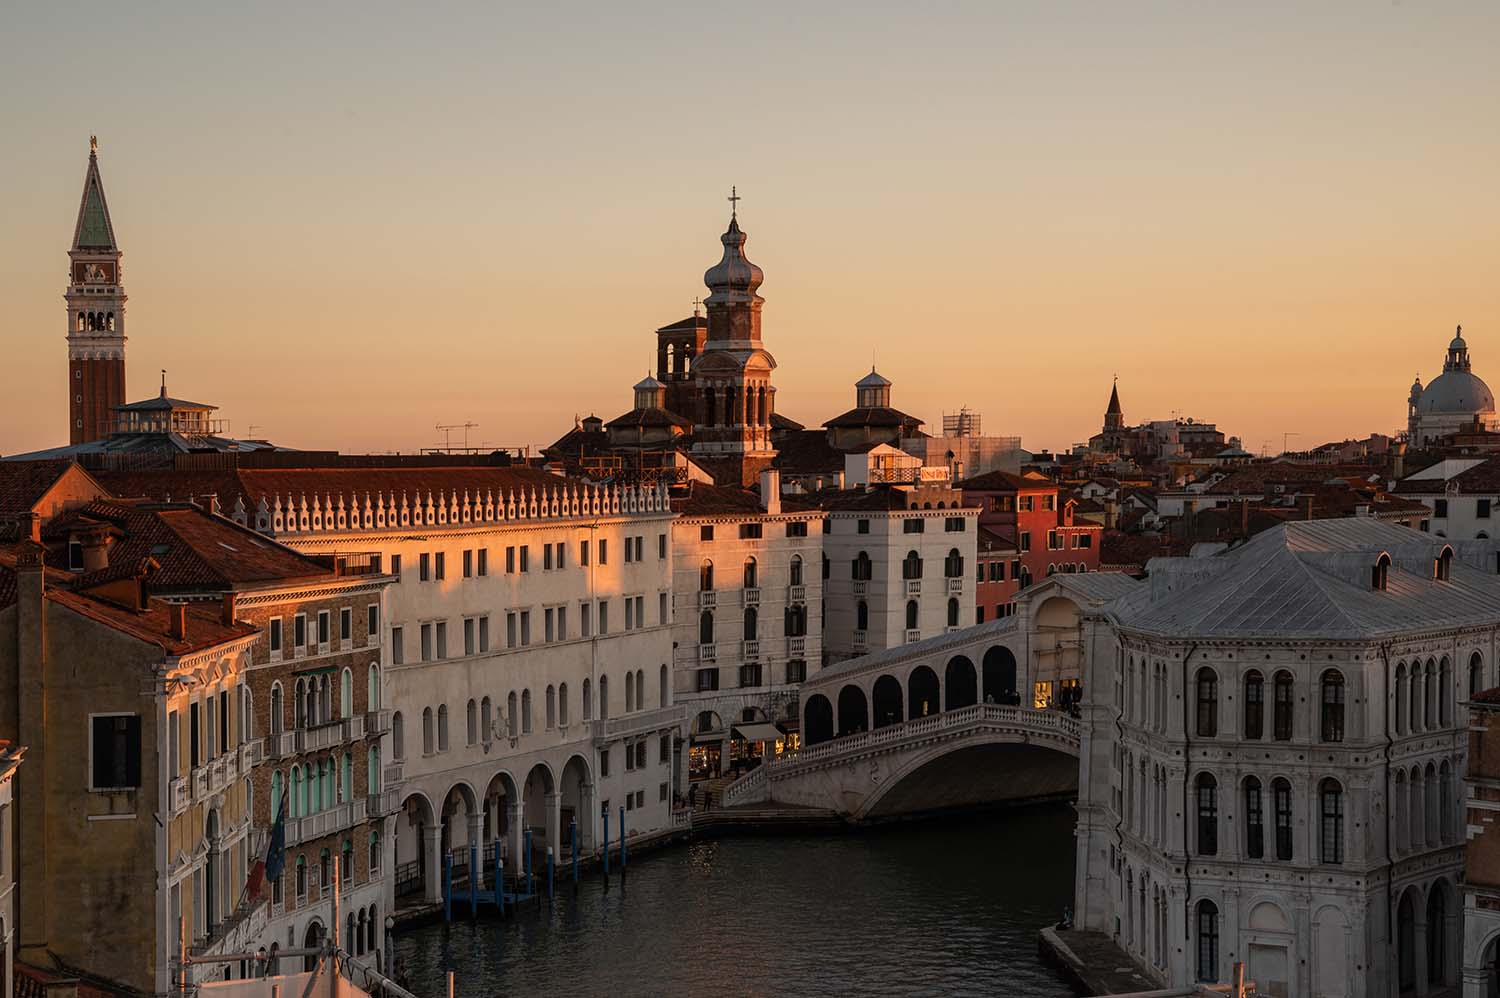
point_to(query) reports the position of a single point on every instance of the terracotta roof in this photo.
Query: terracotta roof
(713, 500)
(32, 982)
(780, 422)
(194, 549)
(1487, 696)
(875, 415)
(23, 483)
(807, 451)
(205, 627)
(691, 322)
(1004, 481)
(992, 539)
(1481, 479)
(650, 417)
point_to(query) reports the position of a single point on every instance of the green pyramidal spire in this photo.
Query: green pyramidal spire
(94, 230)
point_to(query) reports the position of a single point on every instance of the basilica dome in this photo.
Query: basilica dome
(1454, 392)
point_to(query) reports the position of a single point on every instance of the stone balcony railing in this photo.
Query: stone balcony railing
(179, 795)
(392, 774)
(955, 587)
(707, 599)
(377, 722)
(752, 595)
(750, 649)
(796, 594)
(796, 647)
(380, 804)
(913, 635)
(861, 640)
(708, 653)
(639, 722)
(913, 587)
(327, 822)
(861, 587)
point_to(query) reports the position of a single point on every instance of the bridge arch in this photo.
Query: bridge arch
(886, 698)
(923, 692)
(960, 684)
(817, 720)
(999, 678)
(854, 710)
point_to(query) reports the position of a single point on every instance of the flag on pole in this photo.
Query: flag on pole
(271, 866)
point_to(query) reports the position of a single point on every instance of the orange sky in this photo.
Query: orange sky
(349, 229)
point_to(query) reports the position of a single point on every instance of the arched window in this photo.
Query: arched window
(443, 728)
(1445, 692)
(1415, 699)
(666, 686)
(373, 779)
(1430, 695)
(706, 576)
(588, 701)
(346, 694)
(1281, 800)
(911, 566)
(429, 741)
(629, 692)
(486, 720)
(276, 718)
(1443, 568)
(551, 707)
(953, 565)
(1476, 674)
(911, 615)
(1208, 814)
(1331, 830)
(862, 570)
(471, 722)
(706, 627)
(752, 574)
(372, 688)
(796, 620)
(1208, 703)
(796, 570)
(276, 790)
(752, 623)
(640, 689)
(1208, 942)
(526, 712)
(952, 612)
(398, 737)
(1401, 694)
(1255, 704)
(562, 705)
(512, 715)
(1025, 577)
(299, 704)
(1255, 819)
(1380, 573)
(346, 784)
(862, 616)
(1282, 707)
(1446, 817)
(603, 697)
(1332, 728)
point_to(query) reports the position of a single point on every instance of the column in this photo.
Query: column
(553, 803)
(432, 852)
(753, 419)
(475, 829)
(512, 835)
(1420, 928)
(588, 819)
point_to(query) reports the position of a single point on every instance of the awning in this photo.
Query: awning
(759, 732)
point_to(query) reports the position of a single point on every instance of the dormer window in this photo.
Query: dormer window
(75, 555)
(1380, 573)
(1443, 566)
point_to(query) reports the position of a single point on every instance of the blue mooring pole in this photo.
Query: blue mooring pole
(573, 834)
(622, 840)
(606, 843)
(476, 874)
(551, 864)
(447, 887)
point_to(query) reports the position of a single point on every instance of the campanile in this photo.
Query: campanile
(96, 315)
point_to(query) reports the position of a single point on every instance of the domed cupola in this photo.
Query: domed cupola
(733, 278)
(1458, 353)
(872, 391)
(650, 394)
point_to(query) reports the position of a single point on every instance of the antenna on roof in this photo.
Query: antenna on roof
(164, 382)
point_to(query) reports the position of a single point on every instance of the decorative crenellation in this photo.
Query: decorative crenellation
(392, 510)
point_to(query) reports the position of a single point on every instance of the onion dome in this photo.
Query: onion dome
(733, 277)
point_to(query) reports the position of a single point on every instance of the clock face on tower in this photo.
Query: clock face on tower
(88, 272)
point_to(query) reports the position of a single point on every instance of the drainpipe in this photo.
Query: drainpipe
(1187, 797)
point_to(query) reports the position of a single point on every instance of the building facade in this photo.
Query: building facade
(1481, 880)
(10, 761)
(1273, 743)
(1456, 400)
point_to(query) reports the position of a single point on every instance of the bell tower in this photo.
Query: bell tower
(96, 315)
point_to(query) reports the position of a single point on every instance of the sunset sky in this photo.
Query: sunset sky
(348, 225)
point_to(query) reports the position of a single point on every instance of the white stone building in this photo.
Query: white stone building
(898, 566)
(747, 580)
(10, 761)
(1455, 400)
(1273, 743)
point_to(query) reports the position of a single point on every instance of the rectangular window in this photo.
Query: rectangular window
(708, 679)
(511, 633)
(562, 555)
(346, 624)
(796, 528)
(664, 752)
(525, 628)
(195, 734)
(484, 634)
(661, 546)
(549, 624)
(585, 613)
(1255, 821)
(913, 525)
(1054, 541)
(604, 551)
(979, 615)
(1025, 539)
(640, 611)
(442, 639)
(1049, 503)
(424, 567)
(749, 531)
(427, 642)
(796, 671)
(299, 632)
(583, 552)
(1333, 825)
(440, 566)
(603, 617)
(323, 627)
(1281, 795)
(604, 770)
(661, 793)
(117, 752)
(469, 636)
(510, 561)
(955, 525)
(661, 608)
(525, 557)
(1440, 507)
(1085, 541)
(1482, 509)
(629, 550)
(372, 622)
(468, 563)
(398, 647)
(275, 635)
(862, 526)
(1024, 503)
(706, 532)
(629, 613)
(483, 556)
(547, 557)
(396, 566)
(562, 623)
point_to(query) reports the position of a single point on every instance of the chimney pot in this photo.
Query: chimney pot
(770, 490)
(178, 620)
(227, 608)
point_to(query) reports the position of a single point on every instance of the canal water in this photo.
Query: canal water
(947, 906)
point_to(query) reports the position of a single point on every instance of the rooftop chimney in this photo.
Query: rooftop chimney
(31, 526)
(177, 620)
(770, 491)
(1398, 463)
(95, 545)
(1306, 502)
(227, 608)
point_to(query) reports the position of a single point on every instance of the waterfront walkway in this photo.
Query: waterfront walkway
(1094, 963)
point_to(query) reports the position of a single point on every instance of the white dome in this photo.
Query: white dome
(1456, 392)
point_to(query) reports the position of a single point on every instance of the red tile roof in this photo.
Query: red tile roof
(205, 627)
(23, 483)
(1004, 481)
(716, 500)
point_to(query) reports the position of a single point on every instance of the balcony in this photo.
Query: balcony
(392, 774)
(956, 587)
(707, 599)
(252, 754)
(180, 796)
(200, 783)
(952, 628)
(913, 634)
(281, 744)
(750, 649)
(861, 641)
(913, 587)
(381, 804)
(334, 819)
(377, 722)
(796, 647)
(708, 653)
(752, 595)
(796, 594)
(638, 722)
(861, 587)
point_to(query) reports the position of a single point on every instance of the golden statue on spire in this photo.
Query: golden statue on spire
(93, 144)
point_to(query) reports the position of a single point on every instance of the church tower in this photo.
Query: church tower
(96, 315)
(1114, 417)
(732, 374)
